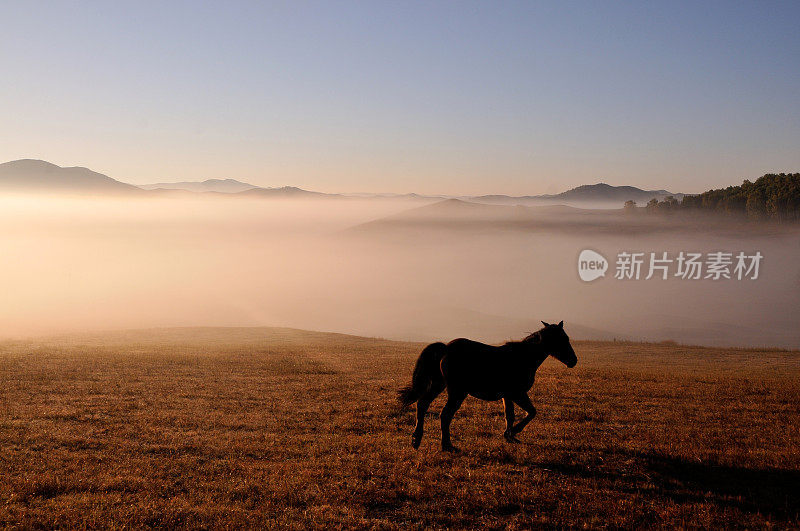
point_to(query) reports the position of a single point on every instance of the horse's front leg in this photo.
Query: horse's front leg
(525, 403)
(508, 404)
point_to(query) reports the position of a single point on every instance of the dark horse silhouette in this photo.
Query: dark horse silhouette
(467, 367)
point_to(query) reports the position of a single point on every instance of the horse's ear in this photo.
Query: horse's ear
(545, 323)
(561, 324)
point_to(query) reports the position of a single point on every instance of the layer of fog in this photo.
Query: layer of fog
(88, 264)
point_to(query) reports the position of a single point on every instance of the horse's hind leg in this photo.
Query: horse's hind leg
(454, 400)
(422, 407)
(508, 404)
(525, 403)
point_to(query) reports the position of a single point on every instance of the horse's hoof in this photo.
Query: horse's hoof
(415, 442)
(510, 437)
(450, 449)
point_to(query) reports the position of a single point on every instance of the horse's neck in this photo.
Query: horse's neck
(532, 355)
(538, 357)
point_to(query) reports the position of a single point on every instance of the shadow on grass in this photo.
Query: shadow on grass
(770, 492)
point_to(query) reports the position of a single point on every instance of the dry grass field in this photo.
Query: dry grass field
(266, 427)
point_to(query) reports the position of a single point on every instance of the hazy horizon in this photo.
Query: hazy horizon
(485, 271)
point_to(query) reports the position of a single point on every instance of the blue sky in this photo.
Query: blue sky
(432, 97)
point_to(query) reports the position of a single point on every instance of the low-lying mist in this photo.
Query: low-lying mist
(366, 266)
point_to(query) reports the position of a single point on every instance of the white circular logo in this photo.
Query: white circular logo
(591, 265)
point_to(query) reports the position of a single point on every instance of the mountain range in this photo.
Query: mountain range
(30, 175)
(225, 186)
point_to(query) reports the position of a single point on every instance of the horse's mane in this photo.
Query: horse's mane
(534, 337)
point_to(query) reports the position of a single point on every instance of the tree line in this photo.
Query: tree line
(775, 196)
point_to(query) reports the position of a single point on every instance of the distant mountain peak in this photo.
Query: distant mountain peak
(33, 175)
(32, 163)
(607, 192)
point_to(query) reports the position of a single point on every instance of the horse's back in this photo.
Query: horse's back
(473, 353)
(476, 368)
(463, 344)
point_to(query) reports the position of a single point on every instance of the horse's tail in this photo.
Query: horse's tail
(426, 369)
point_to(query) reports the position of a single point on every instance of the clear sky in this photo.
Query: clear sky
(431, 97)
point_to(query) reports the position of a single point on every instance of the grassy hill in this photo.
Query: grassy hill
(264, 427)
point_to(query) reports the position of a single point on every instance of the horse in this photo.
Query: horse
(487, 372)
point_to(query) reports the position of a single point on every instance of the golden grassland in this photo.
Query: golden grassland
(277, 427)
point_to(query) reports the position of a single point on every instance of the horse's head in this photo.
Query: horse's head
(555, 342)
